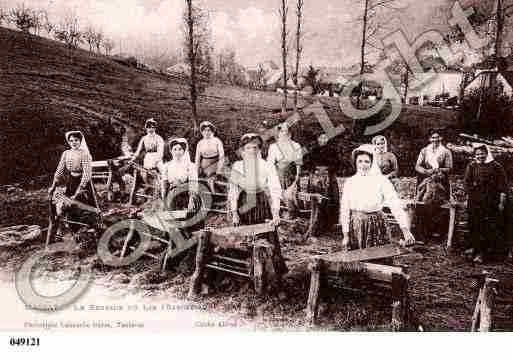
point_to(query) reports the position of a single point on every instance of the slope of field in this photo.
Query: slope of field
(47, 89)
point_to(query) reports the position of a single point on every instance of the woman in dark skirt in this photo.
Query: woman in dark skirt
(254, 191)
(74, 171)
(434, 163)
(363, 197)
(180, 180)
(287, 156)
(485, 183)
(209, 157)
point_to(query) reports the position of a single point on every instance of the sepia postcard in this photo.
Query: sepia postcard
(241, 166)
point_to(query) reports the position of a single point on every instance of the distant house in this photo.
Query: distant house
(269, 66)
(274, 80)
(180, 68)
(425, 87)
(484, 78)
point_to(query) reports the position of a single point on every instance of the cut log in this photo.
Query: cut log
(377, 272)
(371, 253)
(16, 235)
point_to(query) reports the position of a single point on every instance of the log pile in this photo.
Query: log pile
(497, 146)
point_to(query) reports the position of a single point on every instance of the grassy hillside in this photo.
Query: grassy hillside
(47, 89)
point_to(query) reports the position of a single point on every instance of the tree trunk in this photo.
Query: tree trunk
(499, 35)
(362, 49)
(406, 82)
(192, 63)
(298, 48)
(283, 12)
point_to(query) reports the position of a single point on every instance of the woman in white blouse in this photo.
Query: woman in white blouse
(153, 145)
(209, 157)
(287, 156)
(363, 198)
(254, 192)
(180, 178)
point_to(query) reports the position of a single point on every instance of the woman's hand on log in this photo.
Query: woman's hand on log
(408, 238)
(345, 241)
(276, 220)
(502, 202)
(235, 219)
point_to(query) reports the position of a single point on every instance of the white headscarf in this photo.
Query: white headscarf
(186, 156)
(375, 139)
(375, 165)
(83, 143)
(370, 149)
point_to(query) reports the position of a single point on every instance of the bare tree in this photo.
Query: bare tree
(98, 40)
(89, 35)
(4, 16)
(68, 31)
(196, 36)
(260, 77)
(371, 28)
(299, 47)
(399, 66)
(283, 12)
(108, 45)
(39, 20)
(46, 24)
(23, 18)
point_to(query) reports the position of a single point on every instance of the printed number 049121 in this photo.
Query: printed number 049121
(24, 341)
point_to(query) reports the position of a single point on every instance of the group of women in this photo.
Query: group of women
(257, 186)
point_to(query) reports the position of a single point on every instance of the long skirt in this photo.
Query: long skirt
(485, 229)
(177, 199)
(429, 217)
(257, 210)
(151, 159)
(367, 230)
(286, 174)
(85, 196)
(208, 166)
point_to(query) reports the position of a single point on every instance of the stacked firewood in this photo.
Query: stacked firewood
(497, 146)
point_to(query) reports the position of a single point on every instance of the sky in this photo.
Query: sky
(251, 27)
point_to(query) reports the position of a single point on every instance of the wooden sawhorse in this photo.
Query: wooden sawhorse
(260, 260)
(377, 278)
